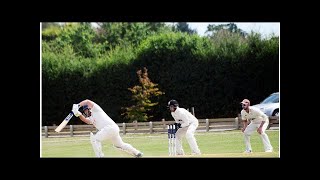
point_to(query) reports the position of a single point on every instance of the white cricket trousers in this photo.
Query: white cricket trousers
(252, 127)
(189, 133)
(112, 133)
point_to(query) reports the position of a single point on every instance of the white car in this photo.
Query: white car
(270, 106)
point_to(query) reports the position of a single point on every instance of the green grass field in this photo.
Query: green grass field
(212, 144)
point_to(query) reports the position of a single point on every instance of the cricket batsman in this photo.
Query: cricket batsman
(187, 126)
(92, 113)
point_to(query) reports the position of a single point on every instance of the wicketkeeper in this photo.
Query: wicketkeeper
(188, 125)
(108, 129)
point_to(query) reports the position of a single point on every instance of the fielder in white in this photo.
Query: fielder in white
(259, 123)
(108, 129)
(188, 125)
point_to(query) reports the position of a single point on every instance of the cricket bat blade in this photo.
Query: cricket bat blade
(64, 122)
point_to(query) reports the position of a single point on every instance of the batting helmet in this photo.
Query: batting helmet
(173, 103)
(82, 108)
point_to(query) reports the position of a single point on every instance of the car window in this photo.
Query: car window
(273, 98)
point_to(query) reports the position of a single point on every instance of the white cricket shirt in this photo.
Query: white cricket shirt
(99, 118)
(255, 115)
(183, 117)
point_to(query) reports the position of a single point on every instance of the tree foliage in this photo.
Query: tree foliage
(50, 31)
(46, 25)
(125, 33)
(142, 95)
(230, 27)
(184, 27)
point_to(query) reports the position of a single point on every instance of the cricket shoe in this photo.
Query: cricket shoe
(196, 153)
(101, 155)
(180, 153)
(269, 150)
(139, 155)
(247, 151)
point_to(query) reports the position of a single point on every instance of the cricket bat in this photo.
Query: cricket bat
(64, 122)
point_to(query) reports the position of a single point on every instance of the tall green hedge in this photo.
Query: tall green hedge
(211, 75)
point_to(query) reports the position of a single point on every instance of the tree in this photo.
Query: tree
(184, 27)
(46, 25)
(142, 95)
(50, 31)
(155, 26)
(113, 34)
(231, 27)
(81, 38)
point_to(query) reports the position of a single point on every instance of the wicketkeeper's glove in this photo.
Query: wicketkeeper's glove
(178, 125)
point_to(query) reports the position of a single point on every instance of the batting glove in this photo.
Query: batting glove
(76, 113)
(75, 107)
